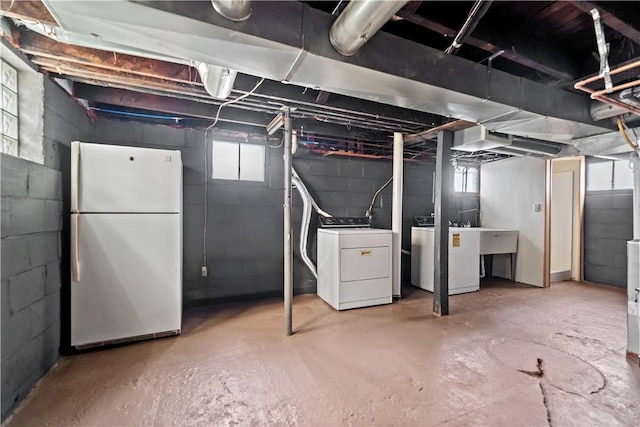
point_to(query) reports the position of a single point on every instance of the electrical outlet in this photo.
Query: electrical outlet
(204, 271)
(537, 207)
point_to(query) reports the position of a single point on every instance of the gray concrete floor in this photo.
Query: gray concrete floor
(507, 355)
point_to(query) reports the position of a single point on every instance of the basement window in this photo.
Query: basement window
(466, 179)
(234, 161)
(9, 109)
(609, 175)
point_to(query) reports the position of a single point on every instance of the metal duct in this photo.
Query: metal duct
(535, 147)
(359, 21)
(301, 54)
(600, 110)
(218, 81)
(234, 10)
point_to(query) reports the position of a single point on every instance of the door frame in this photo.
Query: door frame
(577, 252)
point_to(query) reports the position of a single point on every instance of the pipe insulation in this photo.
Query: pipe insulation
(396, 213)
(359, 21)
(304, 226)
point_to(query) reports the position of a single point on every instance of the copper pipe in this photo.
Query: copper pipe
(617, 103)
(602, 95)
(620, 69)
(616, 88)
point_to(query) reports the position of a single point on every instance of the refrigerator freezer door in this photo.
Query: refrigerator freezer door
(130, 276)
(114, 179)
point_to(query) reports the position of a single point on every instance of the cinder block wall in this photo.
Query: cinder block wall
(608, 225)
(244, 221)
(34, 199)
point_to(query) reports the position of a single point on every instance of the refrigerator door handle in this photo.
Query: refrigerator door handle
(75, 169)
(75, 255)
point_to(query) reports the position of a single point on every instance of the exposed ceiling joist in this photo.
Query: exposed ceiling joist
(610, 20)
(40, 46)
(453, 126)
(194, 109)
(532, 60)
(33, 11)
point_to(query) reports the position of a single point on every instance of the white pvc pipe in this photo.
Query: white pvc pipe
(636, 197)
(396, 213)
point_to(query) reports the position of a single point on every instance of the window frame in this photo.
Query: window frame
(238, 181)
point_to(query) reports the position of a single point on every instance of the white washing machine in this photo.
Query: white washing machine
(354, 267)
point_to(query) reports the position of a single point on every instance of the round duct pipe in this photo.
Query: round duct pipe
(233, 10)
(217, 81)
(600, 110)
(544, 148)
(359, 21)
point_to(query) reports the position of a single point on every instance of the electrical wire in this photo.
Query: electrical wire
(224, 104)
(206, 166)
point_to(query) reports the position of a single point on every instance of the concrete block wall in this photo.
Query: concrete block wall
(31, 225)
(34, 232)
(608, 225)
(244, 220)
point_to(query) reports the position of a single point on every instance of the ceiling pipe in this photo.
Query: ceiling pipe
(478, 10)
(218, 81)
(535, 147)
(359, 21)
(233, 10)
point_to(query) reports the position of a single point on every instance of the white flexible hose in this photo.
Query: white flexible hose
(313, 202)
(306, 221)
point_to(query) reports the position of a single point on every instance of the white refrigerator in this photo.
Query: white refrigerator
(126, 243)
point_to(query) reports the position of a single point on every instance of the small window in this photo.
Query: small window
(622, 175)
(466, 179)
(609, 175)
(599, 176)
(8, 109)
(238, 161)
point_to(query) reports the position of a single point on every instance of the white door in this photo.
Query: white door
(111, 179)
(127, 276)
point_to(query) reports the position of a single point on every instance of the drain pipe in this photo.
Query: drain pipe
(396, 213)
(288, 252)
(233, 10)
(359, 21)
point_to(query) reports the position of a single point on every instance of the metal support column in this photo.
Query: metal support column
(441, 249)
(288, 247)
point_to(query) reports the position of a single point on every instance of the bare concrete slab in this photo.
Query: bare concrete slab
(507, 355)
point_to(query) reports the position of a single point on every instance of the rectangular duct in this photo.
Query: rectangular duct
(479, 138)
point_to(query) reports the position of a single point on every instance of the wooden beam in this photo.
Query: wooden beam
(120, 77)
(27, 10)
(453, 126)
(40, 46)
(610, 20)
(476, 41)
